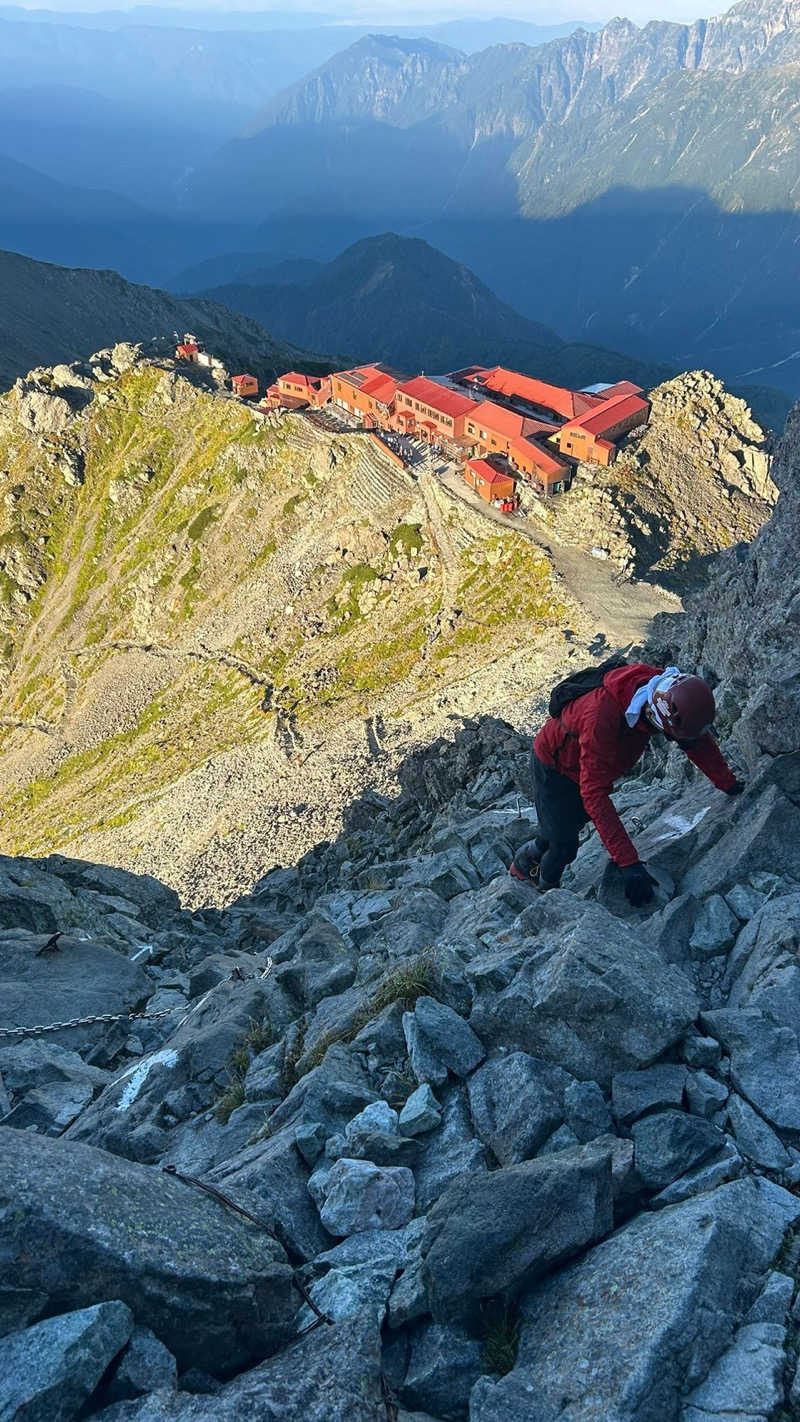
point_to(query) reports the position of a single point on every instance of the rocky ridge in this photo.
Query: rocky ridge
(56, 314)
(527, 1155)
(695, 479)
(744, 623)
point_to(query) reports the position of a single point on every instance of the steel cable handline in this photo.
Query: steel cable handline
(246, 1214)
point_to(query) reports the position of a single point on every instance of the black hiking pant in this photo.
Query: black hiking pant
(561, 815)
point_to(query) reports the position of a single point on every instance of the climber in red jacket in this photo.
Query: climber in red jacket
(578, 755)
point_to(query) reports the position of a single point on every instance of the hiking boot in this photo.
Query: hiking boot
(526, 863)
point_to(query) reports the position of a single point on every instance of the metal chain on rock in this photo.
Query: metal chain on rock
(40, 1029)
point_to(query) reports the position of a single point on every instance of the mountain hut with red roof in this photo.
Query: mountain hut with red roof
(367, 393)
(594, 435)
(489, 483)
(295, 391)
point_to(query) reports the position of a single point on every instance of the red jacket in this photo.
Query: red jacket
(592, 744)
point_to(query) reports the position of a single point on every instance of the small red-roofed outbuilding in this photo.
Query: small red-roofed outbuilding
(489, 483)
(244, 386)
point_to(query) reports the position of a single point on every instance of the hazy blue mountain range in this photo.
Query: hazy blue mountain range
(98, 142)
(215, 79)
(467, 33)
(50, 314)
(59, 221)
(400, 300)
(135, 100)
(206, 19)
(26, 194)
(510, 113)
(138, 106)
(55, 221)
(635, 187)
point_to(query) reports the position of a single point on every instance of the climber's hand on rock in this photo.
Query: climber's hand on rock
(638, 884)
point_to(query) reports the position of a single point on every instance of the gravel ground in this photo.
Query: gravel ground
(223, 825)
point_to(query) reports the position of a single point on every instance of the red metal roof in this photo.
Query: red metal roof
(360, 375)
(622, 387)
(486, 471)
(498, 420)
(447, 402)
(525, 449)
(296, 378)
(381, 387)
(603, 417)
(509, 423)
(566, 403)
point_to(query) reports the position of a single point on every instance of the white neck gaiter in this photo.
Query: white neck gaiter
(644, 695)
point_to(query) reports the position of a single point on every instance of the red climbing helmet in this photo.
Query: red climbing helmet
(685, 709)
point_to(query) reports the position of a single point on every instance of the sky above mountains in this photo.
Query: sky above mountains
(403, 12)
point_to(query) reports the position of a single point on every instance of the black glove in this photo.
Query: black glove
(638, 884)
(736, 788)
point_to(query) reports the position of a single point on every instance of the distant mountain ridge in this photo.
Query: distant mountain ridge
(511, 98)
(382, 77)
(181, 62)
(399, 300)
(51, 314)
(160, 70)
(635, 187)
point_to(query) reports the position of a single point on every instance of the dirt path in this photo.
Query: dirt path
(197, 654)
(10, 723)
(623, 611)
(447, 554)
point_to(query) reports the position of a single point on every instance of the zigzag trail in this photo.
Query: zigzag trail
(199, 654)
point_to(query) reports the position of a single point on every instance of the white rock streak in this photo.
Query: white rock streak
(139, 1074)
(680, 825)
